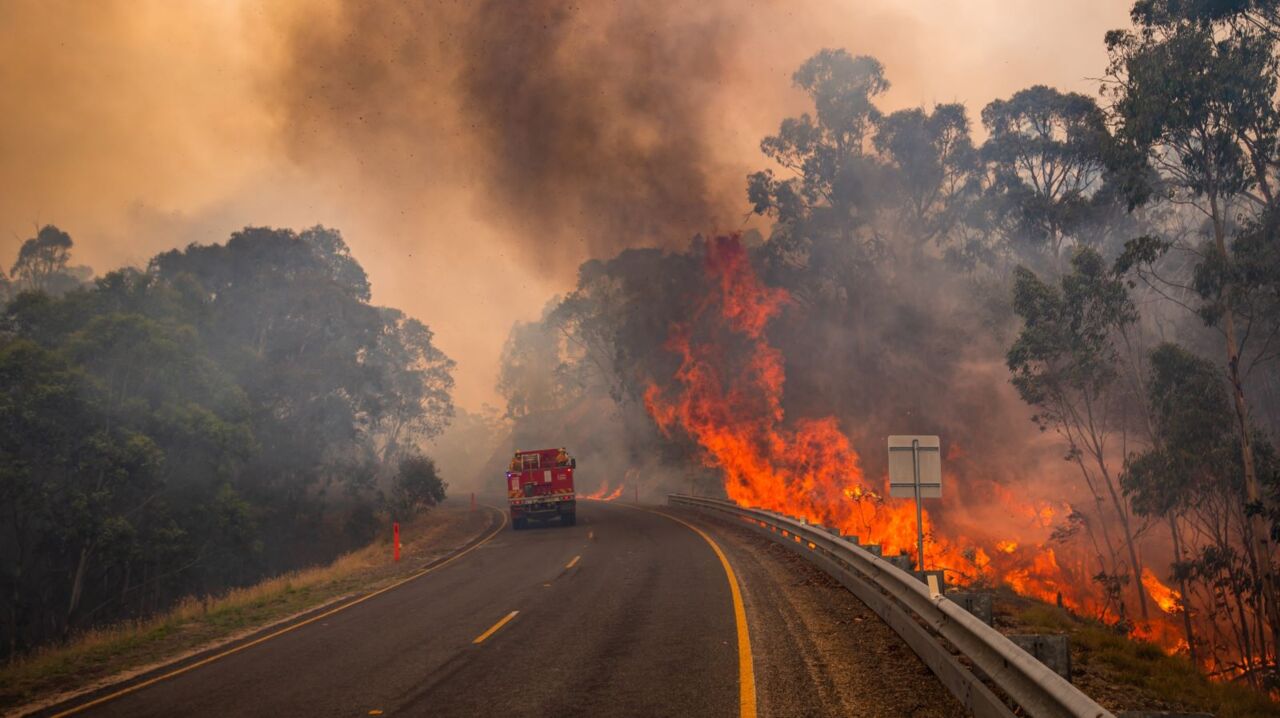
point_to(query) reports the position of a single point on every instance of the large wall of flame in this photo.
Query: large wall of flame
(1005, 493)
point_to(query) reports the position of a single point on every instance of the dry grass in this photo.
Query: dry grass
(1123, 673)
(194, 624)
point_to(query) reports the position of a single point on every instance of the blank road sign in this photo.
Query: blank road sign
(902, 477)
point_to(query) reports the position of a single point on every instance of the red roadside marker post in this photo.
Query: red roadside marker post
(395, 530)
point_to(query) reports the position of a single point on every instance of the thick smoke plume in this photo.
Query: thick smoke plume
(143, 125)
(589, 126)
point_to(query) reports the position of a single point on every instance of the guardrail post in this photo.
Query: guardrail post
(1052, 650)
(979, 604)
(901, 561)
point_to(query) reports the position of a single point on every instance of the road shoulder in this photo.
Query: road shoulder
(818, 649)
(82, 674)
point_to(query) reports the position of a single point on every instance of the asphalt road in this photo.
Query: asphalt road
(628, 613)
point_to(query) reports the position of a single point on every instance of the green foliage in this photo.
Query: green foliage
(938, 170)
(42, 260)
(176, 431)
(1196, 447)
(1193, 87)
(823, 152)
(1065, 353)
(1047, 151)
(418, 484)
(1140, 251)
(533, 377)
(1206, 98)
(1165, 13)
(1132, 674)
(842, 88)
(1192, 474)
(1065, 362)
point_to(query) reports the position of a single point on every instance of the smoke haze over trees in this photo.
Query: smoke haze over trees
(231, 412)
(292, 113)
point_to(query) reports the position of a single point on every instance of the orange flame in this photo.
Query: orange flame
(730, 403)
(1169, 600)
(738, 421)
(603, 493)
(733, 408)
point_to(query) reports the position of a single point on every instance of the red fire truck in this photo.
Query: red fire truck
(540, 487)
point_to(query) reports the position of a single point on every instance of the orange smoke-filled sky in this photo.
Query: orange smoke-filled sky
(144, 125)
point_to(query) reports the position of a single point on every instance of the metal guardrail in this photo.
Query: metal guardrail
(922, 619)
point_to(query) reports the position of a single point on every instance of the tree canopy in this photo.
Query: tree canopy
(234, 410)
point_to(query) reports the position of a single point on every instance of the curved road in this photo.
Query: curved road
(629, 613)
(626, 613)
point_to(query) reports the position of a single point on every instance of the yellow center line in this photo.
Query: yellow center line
(746, 669)
(494, 628)
(190, 667)
(573, 563)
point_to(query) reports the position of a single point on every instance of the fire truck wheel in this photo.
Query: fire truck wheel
(569, 519)
(518, 524)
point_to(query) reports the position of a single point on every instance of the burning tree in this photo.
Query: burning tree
(1064, 362)
(1191, 478)
(907, 275)
(1194, 90)
(730, 402)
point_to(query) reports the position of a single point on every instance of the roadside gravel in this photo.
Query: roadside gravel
(818, 650)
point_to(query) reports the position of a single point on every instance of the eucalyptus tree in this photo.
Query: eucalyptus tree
(418, 484)
(825, 154)
(415, 378)
(1191, 478)
(1046, 157)
(1065, 363)
(43, 263)
(938, 171)
(1193, 89)
(172, 431)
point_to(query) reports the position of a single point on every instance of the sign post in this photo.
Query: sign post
(915, 471)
